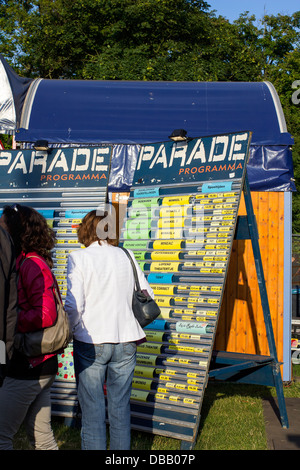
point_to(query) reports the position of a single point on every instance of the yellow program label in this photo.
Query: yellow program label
(175, 200)
(159, 255)
(167, 267)
(167, 244)
(162, 289)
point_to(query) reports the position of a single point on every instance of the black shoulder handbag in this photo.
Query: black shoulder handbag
(145, 309)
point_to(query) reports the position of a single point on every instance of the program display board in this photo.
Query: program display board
(63, 185)
(180, 225)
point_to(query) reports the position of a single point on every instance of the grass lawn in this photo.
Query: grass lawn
(231, 419)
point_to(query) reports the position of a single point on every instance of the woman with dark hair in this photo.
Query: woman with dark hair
(25, 394)
(105, 332)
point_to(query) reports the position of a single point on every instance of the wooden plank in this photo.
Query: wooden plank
(280, 284)
(273, 274)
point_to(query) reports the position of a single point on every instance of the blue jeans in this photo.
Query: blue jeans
(94, 364)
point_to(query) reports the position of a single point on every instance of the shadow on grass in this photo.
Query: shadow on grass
(217, 390)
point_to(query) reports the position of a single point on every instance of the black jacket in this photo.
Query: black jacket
(8, 296)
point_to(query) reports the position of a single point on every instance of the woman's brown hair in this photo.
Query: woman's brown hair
(96, 228)
(29, 231)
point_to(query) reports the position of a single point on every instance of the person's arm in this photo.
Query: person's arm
(74, 302)
(11, 313)
(8, 292)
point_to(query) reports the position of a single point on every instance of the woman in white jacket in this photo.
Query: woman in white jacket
(105, 332)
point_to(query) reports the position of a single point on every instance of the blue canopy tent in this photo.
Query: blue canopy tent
(129, 114)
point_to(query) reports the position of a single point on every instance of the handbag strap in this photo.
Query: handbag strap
(133, 267)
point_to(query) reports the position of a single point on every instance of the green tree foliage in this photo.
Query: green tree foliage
(104, 39)
(155, 40)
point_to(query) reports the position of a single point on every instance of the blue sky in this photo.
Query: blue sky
(231, 9)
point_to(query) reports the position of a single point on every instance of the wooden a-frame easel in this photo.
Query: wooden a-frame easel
(248, 368)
